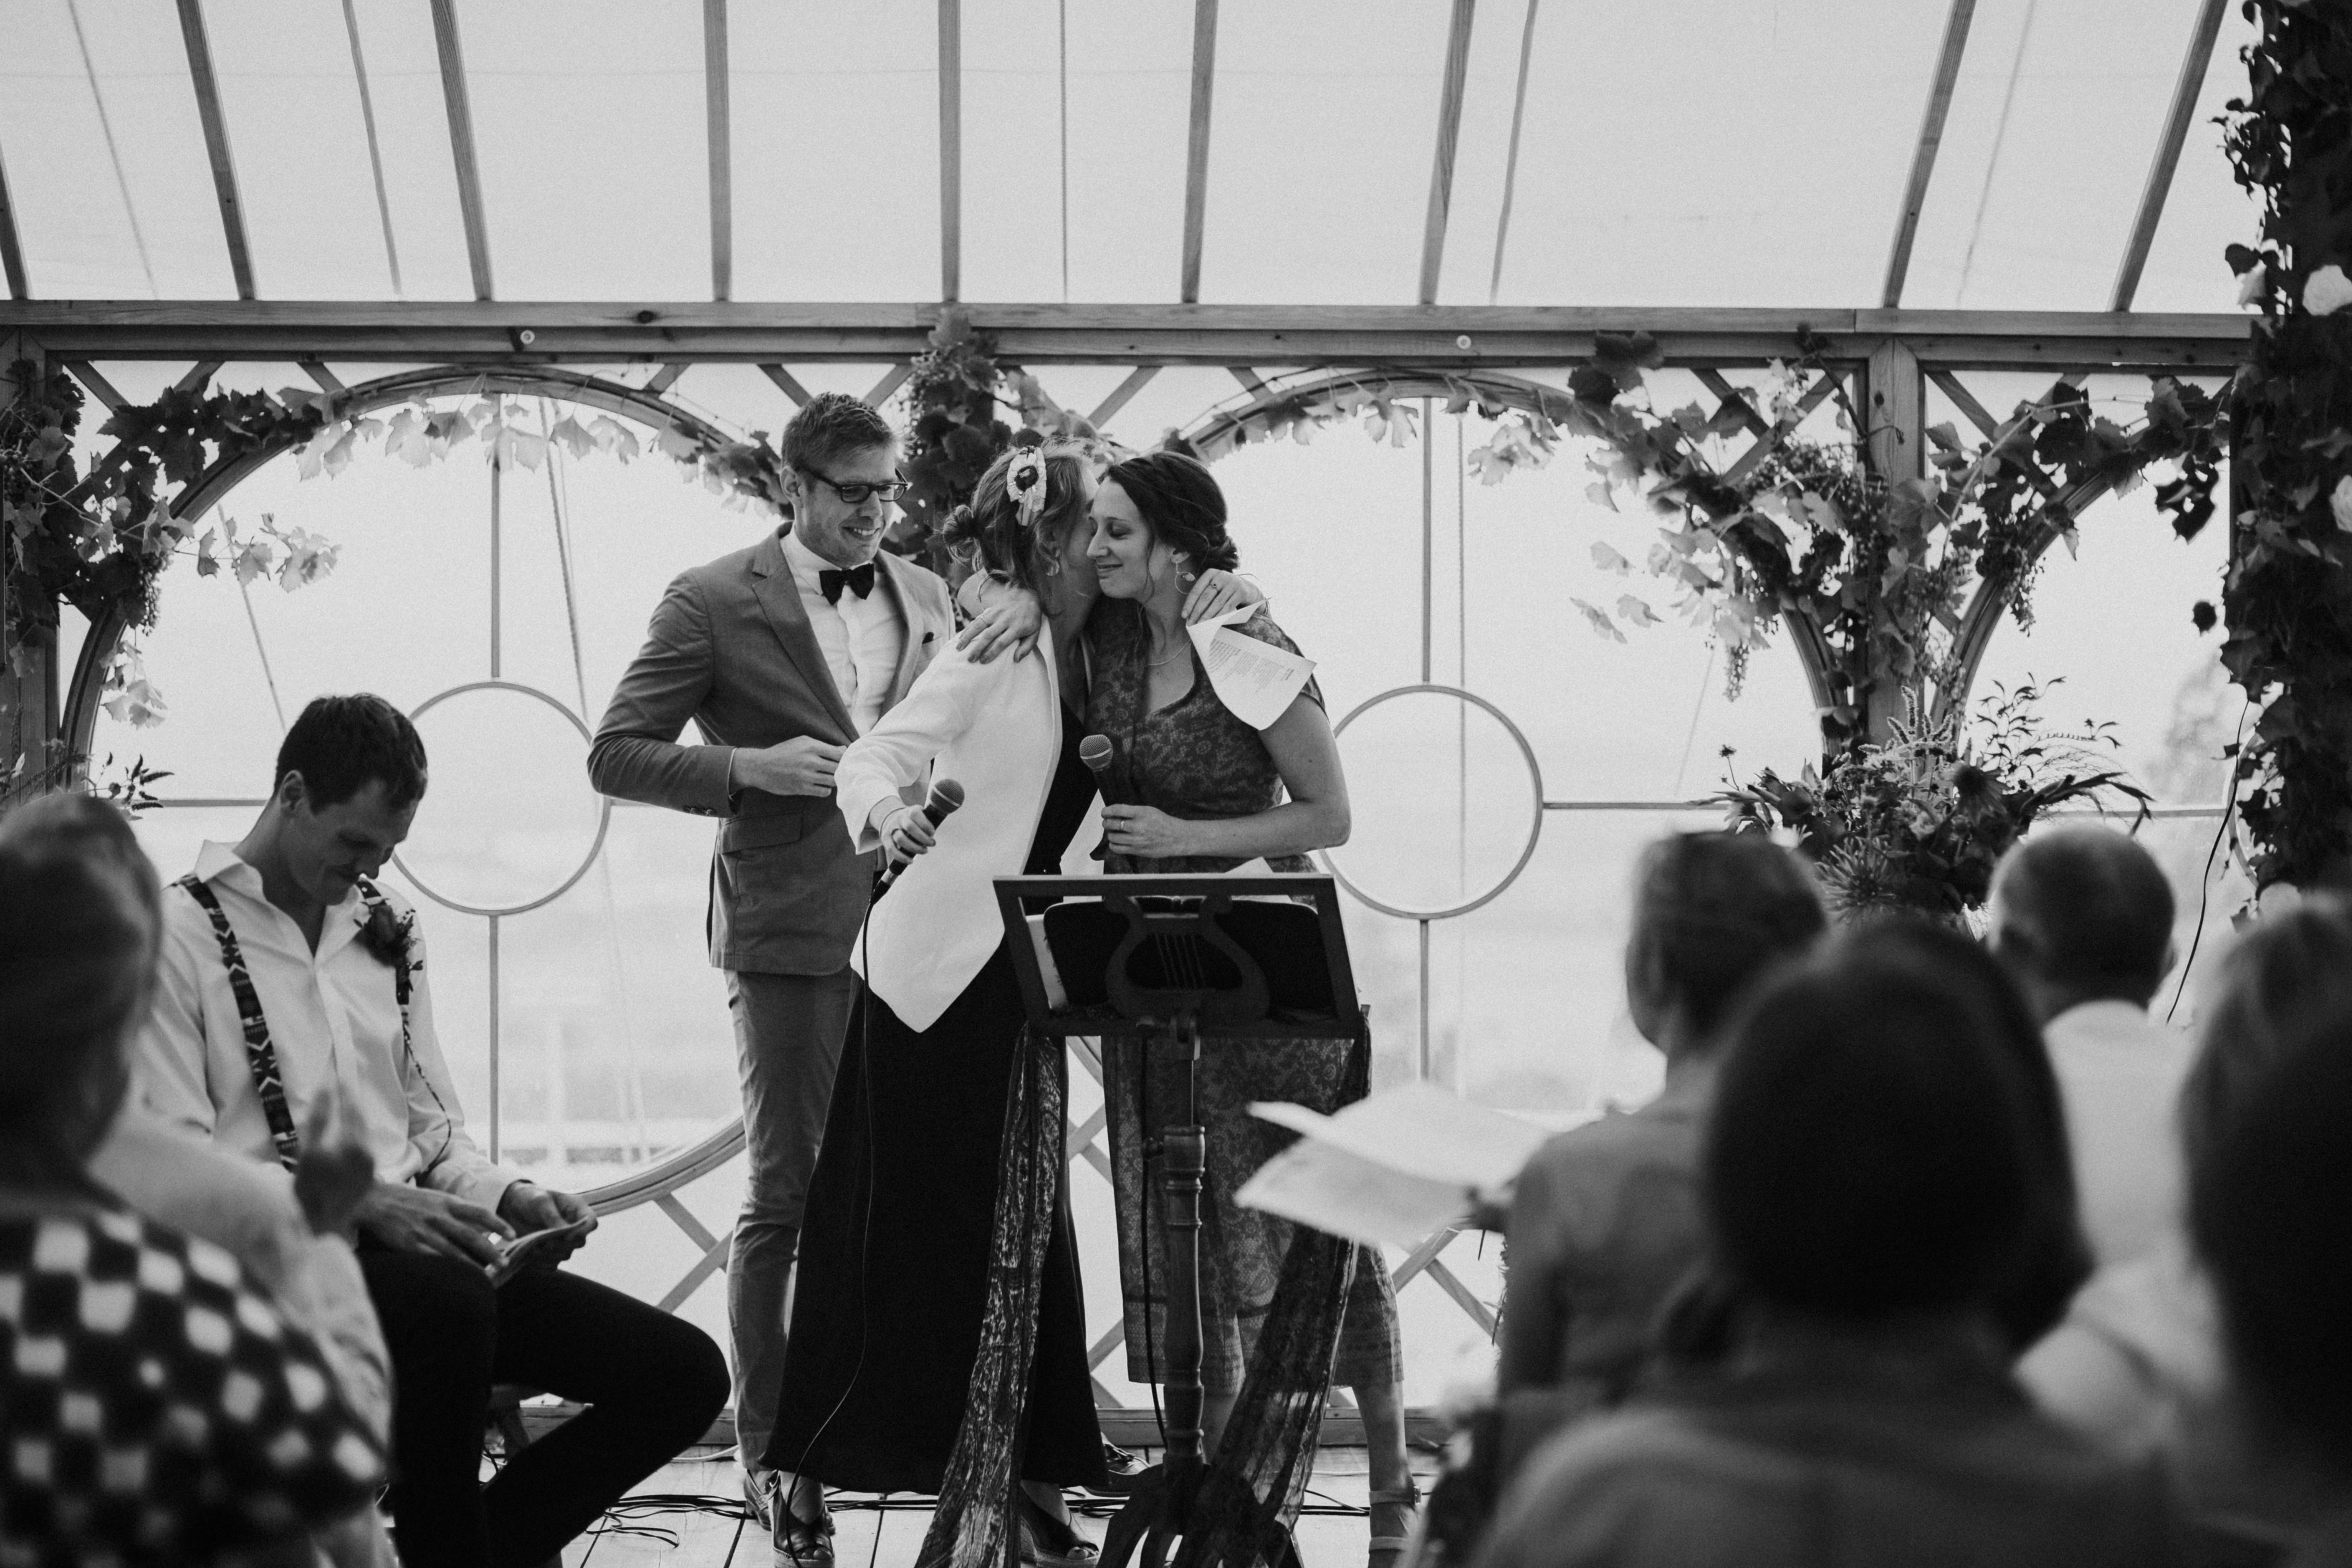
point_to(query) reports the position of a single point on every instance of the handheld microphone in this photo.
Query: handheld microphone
(946, 795)
(1095, 752)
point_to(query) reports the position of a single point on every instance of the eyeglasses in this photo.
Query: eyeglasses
(858, 495)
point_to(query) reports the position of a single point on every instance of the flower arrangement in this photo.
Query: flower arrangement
(1918, 821)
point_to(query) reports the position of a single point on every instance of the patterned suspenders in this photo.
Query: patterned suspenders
(260, 1056)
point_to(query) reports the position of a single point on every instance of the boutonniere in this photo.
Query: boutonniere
(387, 935)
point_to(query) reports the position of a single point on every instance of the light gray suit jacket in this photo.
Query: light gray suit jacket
(731, 647)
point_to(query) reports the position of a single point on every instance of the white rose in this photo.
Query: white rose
(2326, 290)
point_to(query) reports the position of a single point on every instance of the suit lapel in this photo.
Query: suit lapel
(913, 654)
(780, 600)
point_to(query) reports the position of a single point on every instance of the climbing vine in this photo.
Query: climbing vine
(2288, 597)
(1880, 567)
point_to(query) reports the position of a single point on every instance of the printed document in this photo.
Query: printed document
(1255, 680)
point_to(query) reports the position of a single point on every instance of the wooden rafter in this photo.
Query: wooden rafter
(2185, 89)
(1769, 441)
(1511, 159)
(1449, 135)
(1196, 147)
(717, 130)
(950, 148)
(1501, 337)
(1931, 137)
(12, 254)
(459, 105)
(375, 149)
(892, 380)
(200, 374)
(662, 379)
(787, 383)
(1715, 382)
(100, 387)
(216, 124)
(1122, 394)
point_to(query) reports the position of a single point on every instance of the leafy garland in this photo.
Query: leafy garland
(1877, 567)
(2288, 597)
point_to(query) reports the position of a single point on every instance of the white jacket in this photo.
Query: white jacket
(995, 729)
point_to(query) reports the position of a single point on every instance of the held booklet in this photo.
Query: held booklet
(1393, 1167)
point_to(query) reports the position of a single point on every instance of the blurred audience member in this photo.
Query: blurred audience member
(2056, 1258)
(1870, 1171)
(160, 1408)
(2270, 1189)
(1605, 1219)
(2082, 917)
(2138, 1364)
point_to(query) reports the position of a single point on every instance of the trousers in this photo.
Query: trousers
(788, 1034)
(652, 1384)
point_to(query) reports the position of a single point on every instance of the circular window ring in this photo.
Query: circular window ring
(603, 804)
(1534, 823)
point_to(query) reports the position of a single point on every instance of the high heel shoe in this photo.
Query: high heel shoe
(1389, 1551)
(1050, 1542)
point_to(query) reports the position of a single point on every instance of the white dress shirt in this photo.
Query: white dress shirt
(334, 1020)
(862, 638)
(2119, 1072)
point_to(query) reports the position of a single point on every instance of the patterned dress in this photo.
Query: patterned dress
(1194, 758)
(158, 1410)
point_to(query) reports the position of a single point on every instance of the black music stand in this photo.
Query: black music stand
(1161, 959)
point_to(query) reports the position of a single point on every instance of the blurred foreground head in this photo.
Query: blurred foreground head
(1712, 912)
(1874, 1151)
(2267, 1120)
(77, 934)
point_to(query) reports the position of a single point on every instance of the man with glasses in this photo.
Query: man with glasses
(782, 655)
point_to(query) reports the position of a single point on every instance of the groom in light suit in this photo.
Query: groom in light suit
(781, 654)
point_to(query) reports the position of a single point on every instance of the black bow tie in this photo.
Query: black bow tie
(858, 580)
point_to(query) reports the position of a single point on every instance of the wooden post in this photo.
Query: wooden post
(1894, 405)
(28, 685)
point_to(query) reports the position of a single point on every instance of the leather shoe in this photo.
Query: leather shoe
(802, 1542)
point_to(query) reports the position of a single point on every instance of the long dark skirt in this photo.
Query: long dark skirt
(895, 1260)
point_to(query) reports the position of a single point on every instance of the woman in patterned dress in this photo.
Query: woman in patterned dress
(1194, 788)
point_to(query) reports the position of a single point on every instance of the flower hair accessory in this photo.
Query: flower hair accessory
(1024, 481)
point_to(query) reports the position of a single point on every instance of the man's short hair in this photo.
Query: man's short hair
(341, 744)
(1713, 911)
(831, 426)
(2086, 907)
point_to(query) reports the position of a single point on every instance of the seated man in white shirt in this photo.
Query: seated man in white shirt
(2082, 917)
(287, 979)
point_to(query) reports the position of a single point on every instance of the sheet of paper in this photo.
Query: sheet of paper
(1319, 1185)
(1420, 1130)
(1255, 680)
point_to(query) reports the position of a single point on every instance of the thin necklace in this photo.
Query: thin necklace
(1169, 656)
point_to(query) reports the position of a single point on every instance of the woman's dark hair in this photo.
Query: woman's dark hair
(1712, 911)
(1870, 1151)
(1179, 501)
(2267, 1202)
(991, 526)
(2056, 1256)
(79, 927)
(2292, 971)
(341, 744)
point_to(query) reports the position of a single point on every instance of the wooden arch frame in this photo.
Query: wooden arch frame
(78, 723)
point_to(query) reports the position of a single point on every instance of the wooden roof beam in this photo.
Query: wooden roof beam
(460, 109)
(1449, 133)
(719, 131)
(216, 124)
(1196, 147)
(950, 150)
(1923, 157)
(2190, 82)
(12, 254)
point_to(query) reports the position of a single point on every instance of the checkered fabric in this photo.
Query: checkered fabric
(153, 1407)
